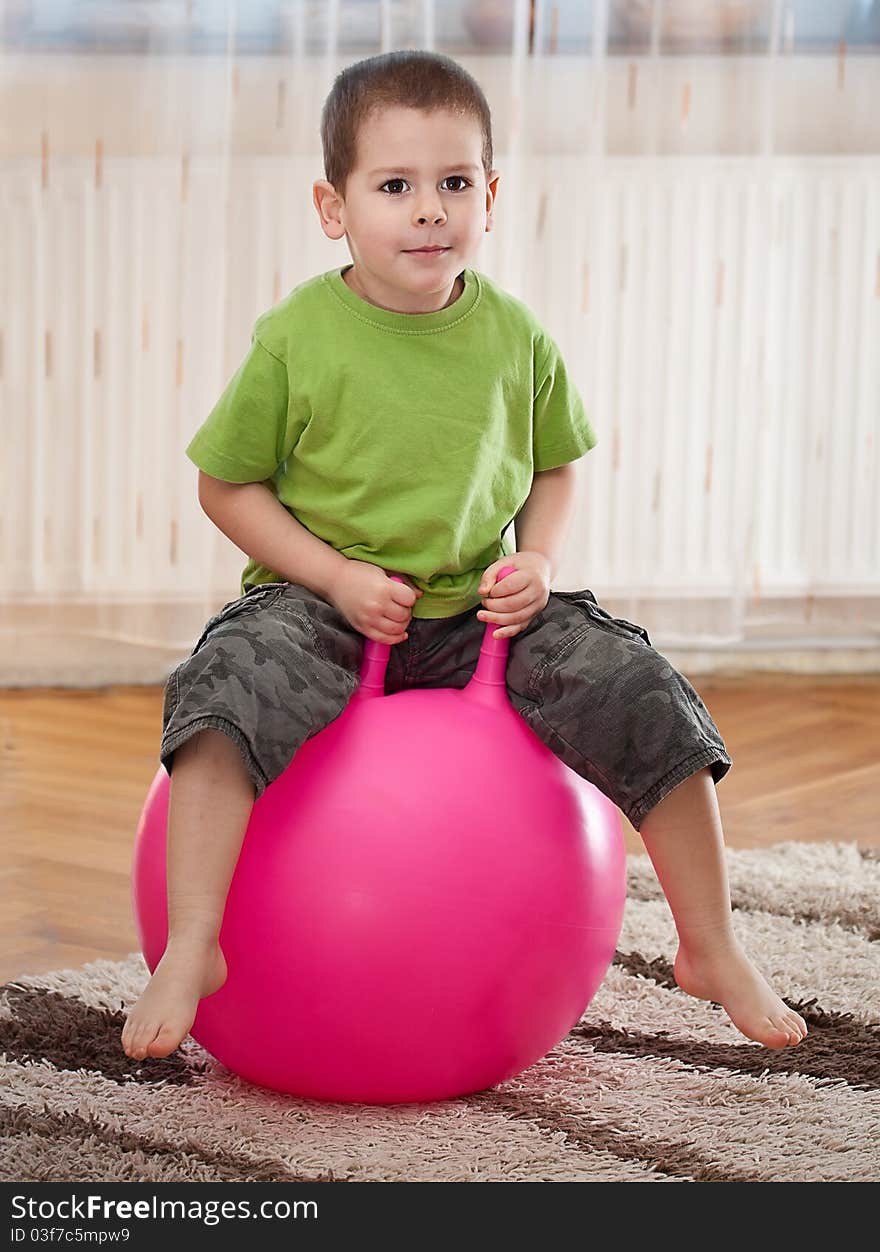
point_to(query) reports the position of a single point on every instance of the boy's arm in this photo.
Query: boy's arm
(543, 521)
(256, 521)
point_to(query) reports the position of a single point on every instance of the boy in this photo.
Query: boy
(394, 416)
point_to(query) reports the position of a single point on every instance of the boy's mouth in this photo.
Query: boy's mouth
(426, 251)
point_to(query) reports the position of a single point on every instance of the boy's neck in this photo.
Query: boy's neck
(351, 280)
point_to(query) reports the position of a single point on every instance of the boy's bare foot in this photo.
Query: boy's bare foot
(723, 972)
(167, 1007)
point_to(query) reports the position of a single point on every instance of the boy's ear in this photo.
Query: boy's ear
(328, 206)
(491, 196)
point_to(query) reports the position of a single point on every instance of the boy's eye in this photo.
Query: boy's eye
(460, 178)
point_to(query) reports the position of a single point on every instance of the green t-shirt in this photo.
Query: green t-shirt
(408, 440)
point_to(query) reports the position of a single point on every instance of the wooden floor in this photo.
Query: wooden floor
(76, 765)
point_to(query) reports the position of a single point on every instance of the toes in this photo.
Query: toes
(777, 1034)
(796, 1027)
(130, 1035)
(786, 1031)
(141, 1040)
(800, 1031)
(152, 1037)
(165, 1041)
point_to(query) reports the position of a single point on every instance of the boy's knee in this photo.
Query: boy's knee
(211, 748)
(204, 742)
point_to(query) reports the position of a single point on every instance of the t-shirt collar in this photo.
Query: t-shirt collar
(406, 323)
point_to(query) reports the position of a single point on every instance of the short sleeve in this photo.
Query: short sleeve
(561, 431)
(241, 439)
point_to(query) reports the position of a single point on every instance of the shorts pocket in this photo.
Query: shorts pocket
(257, 597)
(593, 611)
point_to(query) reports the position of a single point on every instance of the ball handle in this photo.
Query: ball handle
(488, 685)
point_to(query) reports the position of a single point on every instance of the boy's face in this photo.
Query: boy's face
(418, 180)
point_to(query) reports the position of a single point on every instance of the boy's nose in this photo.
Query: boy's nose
(428, 211)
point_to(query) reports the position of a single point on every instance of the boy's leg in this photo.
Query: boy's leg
(275, 666)
(607, 703)
(683, 837)
(210, 802)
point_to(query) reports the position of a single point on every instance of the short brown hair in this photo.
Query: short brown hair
(410, 78)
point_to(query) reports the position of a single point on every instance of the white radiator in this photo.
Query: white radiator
(720, 316)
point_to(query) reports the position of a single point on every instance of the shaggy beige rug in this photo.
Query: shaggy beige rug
(651, 1086)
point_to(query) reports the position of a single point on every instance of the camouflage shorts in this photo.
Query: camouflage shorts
(274, 667)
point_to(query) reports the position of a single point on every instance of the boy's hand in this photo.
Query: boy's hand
(519, 596)
(373, 602)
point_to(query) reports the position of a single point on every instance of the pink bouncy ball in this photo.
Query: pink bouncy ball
(425, 902)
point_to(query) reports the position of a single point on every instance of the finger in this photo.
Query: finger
(498, 610)
(394, 611)
(506, 589)
(390, 636)
(393, 625)
(502, 620)
(490, 579)
(403, 594)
